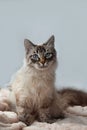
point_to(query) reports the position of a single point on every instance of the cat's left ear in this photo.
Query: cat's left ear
(50, 41)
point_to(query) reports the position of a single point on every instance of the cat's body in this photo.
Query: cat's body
(34, 89)
(34, 85)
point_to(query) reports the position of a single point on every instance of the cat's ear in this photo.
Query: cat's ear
(50, 41)
(28, 45)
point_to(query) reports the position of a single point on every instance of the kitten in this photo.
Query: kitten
(34, 86)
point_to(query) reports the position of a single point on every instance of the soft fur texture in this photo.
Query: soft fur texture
(76, 118)
(71, 97)
(34, 86)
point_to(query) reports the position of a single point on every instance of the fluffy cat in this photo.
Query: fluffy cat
(34, 85)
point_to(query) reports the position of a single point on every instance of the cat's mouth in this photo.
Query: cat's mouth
(41, 67)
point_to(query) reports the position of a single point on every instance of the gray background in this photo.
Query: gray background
(37, 20)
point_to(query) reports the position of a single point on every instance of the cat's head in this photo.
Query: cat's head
(40, 57)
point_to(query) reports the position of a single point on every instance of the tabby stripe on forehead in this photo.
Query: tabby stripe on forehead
(40, 49)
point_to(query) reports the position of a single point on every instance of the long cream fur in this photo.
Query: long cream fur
(35, 89)
(28, 81)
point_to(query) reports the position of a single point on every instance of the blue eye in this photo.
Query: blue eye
(35, 57)
(48, 55)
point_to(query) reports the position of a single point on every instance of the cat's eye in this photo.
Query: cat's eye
(35, 57)
(48, 55)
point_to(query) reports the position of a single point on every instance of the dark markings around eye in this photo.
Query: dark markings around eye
(49, 55)
(40, 51)
(34, 58)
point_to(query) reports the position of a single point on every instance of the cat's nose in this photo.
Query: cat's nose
(42, 60)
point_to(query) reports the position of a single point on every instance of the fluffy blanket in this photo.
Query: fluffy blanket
(76, 118)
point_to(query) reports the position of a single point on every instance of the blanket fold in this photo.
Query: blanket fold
(76, 118)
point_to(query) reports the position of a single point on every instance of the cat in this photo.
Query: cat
(34, 85)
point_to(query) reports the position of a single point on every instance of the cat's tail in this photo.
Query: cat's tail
(72, 97)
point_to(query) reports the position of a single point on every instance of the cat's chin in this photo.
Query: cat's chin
(42, 68)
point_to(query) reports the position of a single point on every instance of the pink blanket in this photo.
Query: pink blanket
(76, 118)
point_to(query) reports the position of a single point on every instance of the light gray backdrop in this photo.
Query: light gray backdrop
(37, 20)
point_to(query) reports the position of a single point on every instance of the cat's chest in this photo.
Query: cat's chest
(35, 81)
(39, 88)
(40, 94)
(36, 85)
(36, 89)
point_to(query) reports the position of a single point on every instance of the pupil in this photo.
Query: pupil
(35, 56)
(48, 54)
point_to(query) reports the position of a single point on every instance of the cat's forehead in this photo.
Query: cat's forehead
(40, 48)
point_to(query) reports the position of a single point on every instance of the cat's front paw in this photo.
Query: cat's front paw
(26, 118)
(44, 116)
(47, 120)
(26, 115)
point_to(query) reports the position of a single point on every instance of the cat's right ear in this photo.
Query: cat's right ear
(50, 41)
(28, 45)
